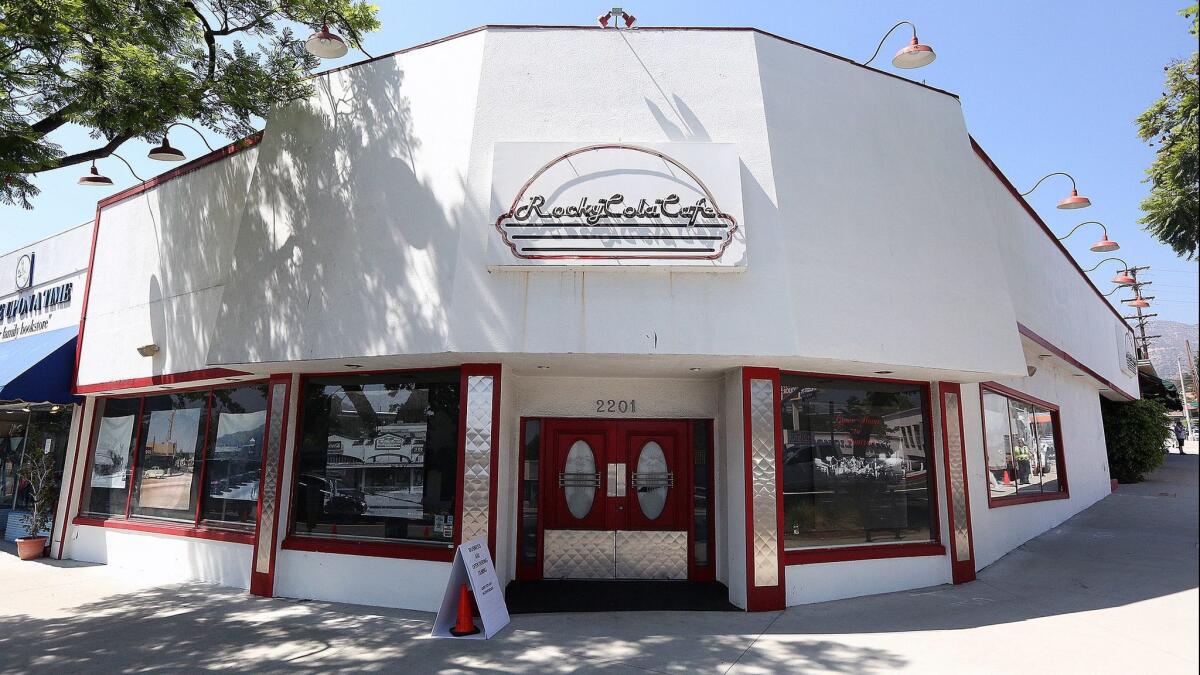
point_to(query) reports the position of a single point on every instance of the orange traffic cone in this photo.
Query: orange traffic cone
(1007, 480)
(465, 625)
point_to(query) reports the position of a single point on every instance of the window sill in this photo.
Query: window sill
(848, 553)
(212, 534)
(376, 549)
(998, 502)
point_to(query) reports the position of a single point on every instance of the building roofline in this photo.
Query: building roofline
(1045, 228)
(747, 29)
(45, 238)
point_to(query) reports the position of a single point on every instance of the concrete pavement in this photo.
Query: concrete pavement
(1112, 590)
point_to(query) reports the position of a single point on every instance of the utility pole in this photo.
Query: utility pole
(1187, 416)
(1141, 318)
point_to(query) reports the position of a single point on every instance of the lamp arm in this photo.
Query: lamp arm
(1086, 222)
(1112, 291)
(184, 124)
(130, 167)
(1093, 267)
(885, 37)
(349, 29)
(1056, 173)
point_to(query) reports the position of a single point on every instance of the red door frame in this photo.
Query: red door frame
(961, 571)
(599, 435)
(686, 439)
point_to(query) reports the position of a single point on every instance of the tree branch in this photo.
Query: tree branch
(52, 121)
(209, 39)
(89, 155)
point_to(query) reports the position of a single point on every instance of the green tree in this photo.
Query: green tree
(1172, 209)
(125, 69)
(1135, 433)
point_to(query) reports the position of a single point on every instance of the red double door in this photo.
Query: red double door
(628, 484)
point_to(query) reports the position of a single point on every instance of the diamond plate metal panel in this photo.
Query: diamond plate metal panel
(958, 488)
(579, 554)
(477, 457)
(764, 540)
(270, 486)
(651, 555)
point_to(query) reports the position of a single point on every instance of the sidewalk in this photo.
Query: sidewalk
(1112, 590)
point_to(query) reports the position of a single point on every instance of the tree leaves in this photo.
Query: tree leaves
(127, 69)
(1171, 212)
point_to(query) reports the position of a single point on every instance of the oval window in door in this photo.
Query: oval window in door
(653, 480)
(579, 479)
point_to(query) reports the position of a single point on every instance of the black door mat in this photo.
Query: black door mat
(569, 595)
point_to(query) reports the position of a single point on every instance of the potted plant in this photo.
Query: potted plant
(37, 471)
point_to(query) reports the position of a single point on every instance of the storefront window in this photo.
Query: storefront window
(112, 456)
(28, 428)
(1022, 447)
(233, 457)
(193, 446)
(378, 457)
(856, 462)
(172, 431)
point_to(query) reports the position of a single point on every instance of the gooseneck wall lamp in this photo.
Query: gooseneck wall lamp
(1122, 278)
(1072, 201)
(96, 179)
(914, 55)
(167, 153)
(1105, 245)
(326, 44)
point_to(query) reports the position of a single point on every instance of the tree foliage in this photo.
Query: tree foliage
(126, 69)
(1171, 212)
(1135, 433)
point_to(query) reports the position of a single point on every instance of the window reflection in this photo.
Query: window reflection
(1022, 447)
(855, 462)
(379, 457)
(233, 467)
(172, 433)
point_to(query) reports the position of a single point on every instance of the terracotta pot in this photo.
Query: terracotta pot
(30, 548)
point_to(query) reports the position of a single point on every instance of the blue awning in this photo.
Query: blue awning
(38, 367)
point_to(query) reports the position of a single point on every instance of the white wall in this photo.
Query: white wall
(833, 581)
(162, 558)
(362, 580)
(1049, 295)
(998, 530)
(367, 225)
(160, 259)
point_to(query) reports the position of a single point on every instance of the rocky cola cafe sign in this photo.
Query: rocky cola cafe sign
(672, 204)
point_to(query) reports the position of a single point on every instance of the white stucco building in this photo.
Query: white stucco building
(584, 283)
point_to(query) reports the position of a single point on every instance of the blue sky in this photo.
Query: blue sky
(1044, 87)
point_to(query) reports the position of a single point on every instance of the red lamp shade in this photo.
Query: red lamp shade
(1105, 245)
(166, 152)
(1138, 302)
(326, 45)
(628, 19)
(1124, 279)
(914, 55)
(603, 19)
(95, 178)
(1075, 201)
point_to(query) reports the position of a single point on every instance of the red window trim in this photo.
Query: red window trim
(1060, 456)
(89, 454)
(181, 530)
(877, 551)
(441, 552)
(374, 549)
(866, 552)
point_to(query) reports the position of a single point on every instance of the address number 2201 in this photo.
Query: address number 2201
(615, 405)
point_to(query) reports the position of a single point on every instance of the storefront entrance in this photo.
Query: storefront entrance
(624, 499)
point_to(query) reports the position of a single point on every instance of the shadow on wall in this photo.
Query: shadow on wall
(341, 246)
